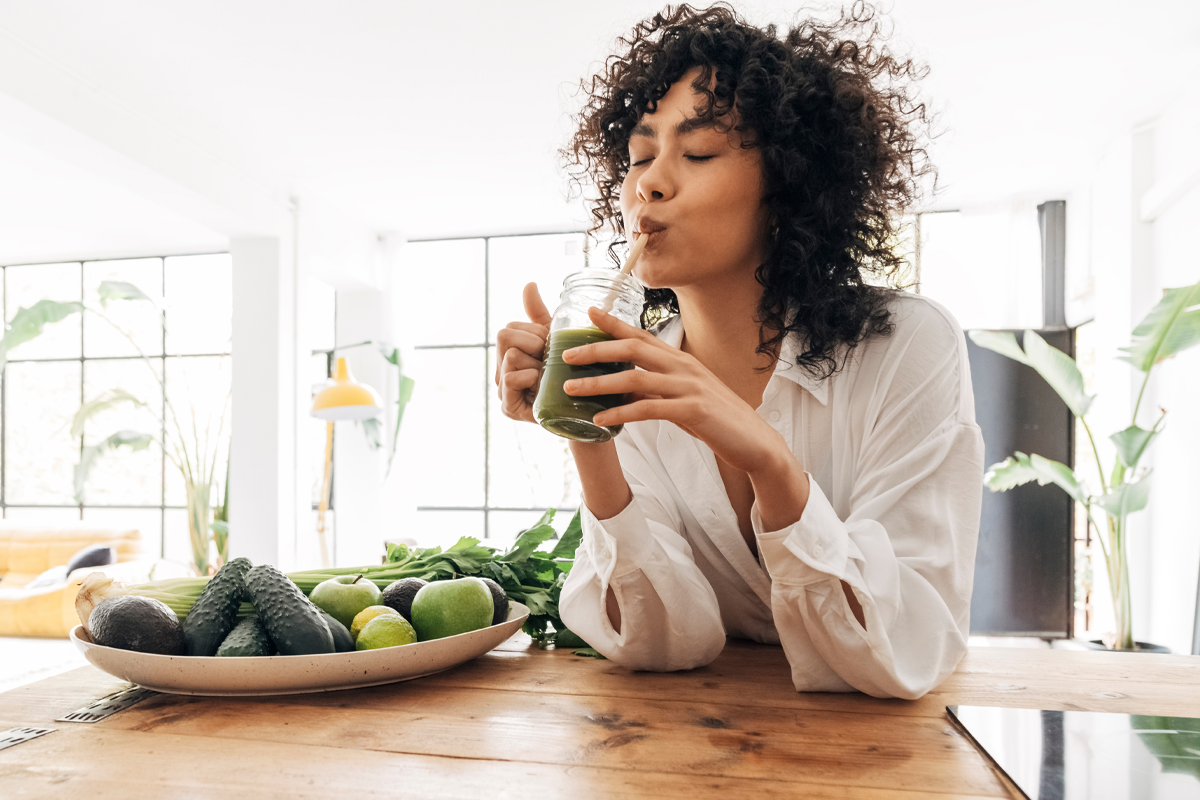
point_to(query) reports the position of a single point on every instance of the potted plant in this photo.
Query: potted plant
(1171, 327)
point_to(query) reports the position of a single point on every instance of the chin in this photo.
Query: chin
(654, 274)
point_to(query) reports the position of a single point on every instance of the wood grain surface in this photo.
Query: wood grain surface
(530, 723)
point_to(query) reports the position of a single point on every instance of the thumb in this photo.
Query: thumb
(534, 307)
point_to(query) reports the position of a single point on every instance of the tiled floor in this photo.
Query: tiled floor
(27, 660)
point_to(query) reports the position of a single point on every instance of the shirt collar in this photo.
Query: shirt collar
(670, 331)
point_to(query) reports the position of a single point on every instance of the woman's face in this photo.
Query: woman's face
(697, 192)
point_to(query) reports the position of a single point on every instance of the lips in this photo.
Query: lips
(654, 229)
(651, 226)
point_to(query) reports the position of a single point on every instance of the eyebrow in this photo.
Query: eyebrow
(682, 128)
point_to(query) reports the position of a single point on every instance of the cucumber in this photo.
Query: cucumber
(292, 621)
(215, 612)
(343, 642)
(248, 638)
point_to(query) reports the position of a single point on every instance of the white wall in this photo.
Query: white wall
(1132, 258)
(1175, 540)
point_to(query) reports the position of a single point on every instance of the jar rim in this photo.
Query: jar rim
(604, 276)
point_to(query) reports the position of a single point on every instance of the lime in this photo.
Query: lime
(385, 630)
(366, 615)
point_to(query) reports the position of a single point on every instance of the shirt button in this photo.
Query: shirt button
(817, 551)
(773, 416)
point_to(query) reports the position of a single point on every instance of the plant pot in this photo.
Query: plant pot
(1142, 647)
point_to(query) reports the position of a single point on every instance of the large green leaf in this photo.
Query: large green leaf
(568, 543)
(28, 323)
(1171, 327)
(1056, 367)
(529, 539)
(1019, 469)
(1060, 371)
(405, 394)
(121, 290)
(1126, 498)
(1174, 741)
(91, 408)
(1131, 443)
(1003, 342)
(87, 459)
(370, 429)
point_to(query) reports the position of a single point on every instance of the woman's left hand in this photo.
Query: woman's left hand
(673, 386)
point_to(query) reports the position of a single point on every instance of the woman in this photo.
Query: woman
(800, 461)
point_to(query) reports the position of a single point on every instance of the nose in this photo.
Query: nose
(656, 183)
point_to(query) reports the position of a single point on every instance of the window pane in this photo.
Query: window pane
(27, 285)
(199, 300)
(516, 260)
(41, 516)
(198, 393)
(148, 521)
(142, 320)
(40, 453)
(528, 467)
(444, 528)
(444, 459)
(443, 292)
(122, 476)
(503, 526)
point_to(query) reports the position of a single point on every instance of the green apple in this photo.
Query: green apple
(446, 608)
(343, 597)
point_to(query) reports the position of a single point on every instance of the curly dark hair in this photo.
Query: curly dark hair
(843, 143)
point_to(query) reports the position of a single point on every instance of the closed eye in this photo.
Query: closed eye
(699, 158)
(643, 161)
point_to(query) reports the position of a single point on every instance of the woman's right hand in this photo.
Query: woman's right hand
(520, 348)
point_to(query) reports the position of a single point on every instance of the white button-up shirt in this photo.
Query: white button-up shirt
(895, 461)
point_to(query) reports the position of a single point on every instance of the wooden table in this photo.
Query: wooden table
(527, 723)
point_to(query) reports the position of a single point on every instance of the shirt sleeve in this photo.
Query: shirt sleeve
(670, 619)
(906, 547)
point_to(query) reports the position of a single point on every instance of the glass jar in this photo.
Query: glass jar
(555, 410)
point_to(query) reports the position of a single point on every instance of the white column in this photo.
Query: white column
(262, 486)
(358, 482)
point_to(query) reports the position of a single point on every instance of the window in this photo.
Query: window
(46, 380)
(480, 473)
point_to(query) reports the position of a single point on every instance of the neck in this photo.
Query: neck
(721, 330)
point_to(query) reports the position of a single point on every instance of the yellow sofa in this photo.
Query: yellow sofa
(26, 552)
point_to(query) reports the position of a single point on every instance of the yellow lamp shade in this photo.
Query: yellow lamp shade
(345, 399)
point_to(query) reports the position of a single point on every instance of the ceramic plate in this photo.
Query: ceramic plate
(296, 674)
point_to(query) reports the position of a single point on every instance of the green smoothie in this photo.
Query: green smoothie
(567, 415)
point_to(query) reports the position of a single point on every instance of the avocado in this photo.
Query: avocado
(248, 638)
(137, 623)
(343, 642)
(294, 624)
(499, 599)
(399, 595)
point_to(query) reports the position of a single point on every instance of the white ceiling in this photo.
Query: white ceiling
(444, 118)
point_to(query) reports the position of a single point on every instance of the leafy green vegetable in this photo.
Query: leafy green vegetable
(528, 575)
(589, 652)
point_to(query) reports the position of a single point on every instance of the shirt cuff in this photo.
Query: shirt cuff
(813, 549)
(622, 543)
